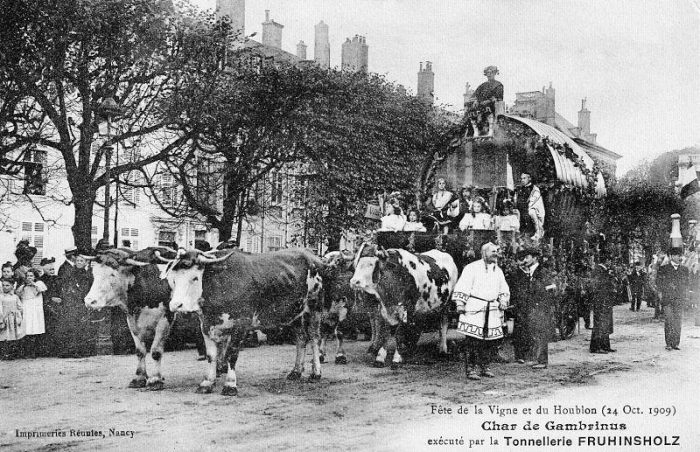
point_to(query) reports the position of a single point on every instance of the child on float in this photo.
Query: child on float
(478, 218)
(413, 224)
(11, 326)
(31, 295)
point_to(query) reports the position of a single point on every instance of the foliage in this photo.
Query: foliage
(62, 58)
(639, 208)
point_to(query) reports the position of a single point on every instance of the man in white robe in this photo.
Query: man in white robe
(481, 296)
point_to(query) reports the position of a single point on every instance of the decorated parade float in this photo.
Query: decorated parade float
(489, 153)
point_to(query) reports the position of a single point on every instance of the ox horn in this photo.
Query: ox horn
(161, 258)
(203, 259)
(130, 261)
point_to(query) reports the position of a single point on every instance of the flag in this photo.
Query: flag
(690, 185)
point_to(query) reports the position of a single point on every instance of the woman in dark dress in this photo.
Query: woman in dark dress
(52, 299)
(76, 334)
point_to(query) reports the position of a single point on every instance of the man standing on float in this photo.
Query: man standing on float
(528, 201)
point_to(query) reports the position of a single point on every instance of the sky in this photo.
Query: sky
(636, 62)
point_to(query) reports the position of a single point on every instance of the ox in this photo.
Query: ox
(408, 287)
(235, 292)
(132, 282)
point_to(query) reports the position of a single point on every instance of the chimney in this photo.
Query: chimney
(322, 46)
(549, 106)
(584, 119)
(272, 32)
(301, 50)
(468, 93)
(426, 82)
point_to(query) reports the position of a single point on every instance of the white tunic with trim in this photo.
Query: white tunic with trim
(479, 287)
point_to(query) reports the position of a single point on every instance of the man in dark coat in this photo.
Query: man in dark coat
(637, 280)
(672, 283)
(536, 302)
(602, 288)
(518, 280)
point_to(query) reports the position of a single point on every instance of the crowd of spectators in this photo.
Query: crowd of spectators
(43, 313)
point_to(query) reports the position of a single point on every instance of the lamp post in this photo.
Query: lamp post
(109, 109)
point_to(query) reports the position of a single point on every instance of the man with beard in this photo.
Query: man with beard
(481, 295)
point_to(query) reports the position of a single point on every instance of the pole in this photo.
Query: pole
(116, 205)
(108, 158)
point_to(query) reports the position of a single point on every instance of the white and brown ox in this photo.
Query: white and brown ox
(131, 281)
(235, 292)
(408, 287)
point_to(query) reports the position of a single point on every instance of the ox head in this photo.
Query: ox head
(368, 267)
(112, 277)
(185, 273)
(341, 260)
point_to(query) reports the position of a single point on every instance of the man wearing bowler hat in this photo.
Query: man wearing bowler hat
(536, 299)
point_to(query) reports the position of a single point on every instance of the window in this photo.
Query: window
(248, 247)
(129, 195)
(298, 191)
(130, 238)
(34, 234)
(209, 180)
(168, 190)
(200, 235)
(166, 238)
(274, 243)
(276, 187)
(35, 173)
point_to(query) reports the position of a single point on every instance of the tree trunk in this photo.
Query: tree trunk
(83, 204)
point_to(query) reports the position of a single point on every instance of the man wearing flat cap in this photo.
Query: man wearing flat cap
(481, 296)
(482, 104)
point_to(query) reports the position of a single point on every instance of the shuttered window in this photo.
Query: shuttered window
(34, 234)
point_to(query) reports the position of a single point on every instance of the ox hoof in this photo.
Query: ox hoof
(205, 389)
(229, 391)
(137, 383)
(378, 364)
(341, 360)
(155, 386)
(313, 378)
(322, 359)
(396, 366)
(294, 375)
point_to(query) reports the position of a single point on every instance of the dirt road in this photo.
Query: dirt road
(355, 407)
